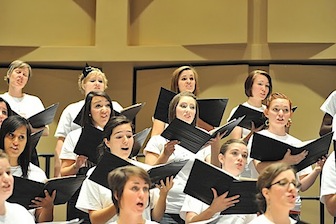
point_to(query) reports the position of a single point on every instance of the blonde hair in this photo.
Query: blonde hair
(82, 79)
(18, 64)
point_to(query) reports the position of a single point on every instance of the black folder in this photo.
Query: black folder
(210, 110)
(257, 117)
(44, 117)
(26, 190)
(162, 105)
(131, 111)
(88, 141)
(268, 149)
(110, 162)
(247, 204)
(35, 138)
(205, 176)
(139, 140)
(193, 138)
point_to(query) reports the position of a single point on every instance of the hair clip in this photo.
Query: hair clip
(87, 69)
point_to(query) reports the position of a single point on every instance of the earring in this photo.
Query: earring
(89, 115)
(289, 123)
(267, 123)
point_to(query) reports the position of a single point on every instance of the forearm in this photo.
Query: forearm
(214, 156)
(159, 208)
(57, 161)
(308, 180)
(260, 166)
(205, 215)
(71, 169)
(162, 159)
(103, 215)
(325, 129)
(44, 214)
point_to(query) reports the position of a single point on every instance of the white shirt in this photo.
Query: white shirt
(15, 214)
(329, 105)
(261, 219)
(26, 106)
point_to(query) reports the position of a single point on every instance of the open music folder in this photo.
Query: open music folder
(131, 111)
(193, 138)
(204, 176)
(251, 115)
(210, 110)
(110, 162)
(44, 117)
(88, 141)
(268, 149)
(26, 190)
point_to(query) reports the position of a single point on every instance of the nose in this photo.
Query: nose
(125, 139)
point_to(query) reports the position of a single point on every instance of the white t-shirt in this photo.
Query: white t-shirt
(192, 204)
(94, 196)
(175, 197)
(15, 214)
(26, 106)
(66, 124)
(328, 181)
(288, 139)
(69, 145)
(261, 219)
(329, 105)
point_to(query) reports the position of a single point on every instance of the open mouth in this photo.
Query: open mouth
(124, 149)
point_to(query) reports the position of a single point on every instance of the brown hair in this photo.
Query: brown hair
(176, 75)
(250, 80)
(266, 178)
(117, 180)
(174, 102)
(226, 145)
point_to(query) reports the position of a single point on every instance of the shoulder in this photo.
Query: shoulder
(36, 173)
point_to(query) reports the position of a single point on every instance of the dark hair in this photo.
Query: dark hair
(266, 178)
(86, 118)
(250, 80)
(226, 144)
(175, 78)
(9, 125)
(174, 102)
(9, 109)
(117, 180)
(108, 129)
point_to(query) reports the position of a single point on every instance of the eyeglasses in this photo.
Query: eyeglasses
(286, 183)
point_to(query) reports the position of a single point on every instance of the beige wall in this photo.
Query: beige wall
(119, 35)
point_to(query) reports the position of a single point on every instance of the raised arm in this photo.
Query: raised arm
(160, 205)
